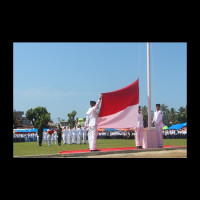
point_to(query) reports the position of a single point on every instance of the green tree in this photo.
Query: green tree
(172, 116)
(145, 115)
(182, 114)
(39, 116)
(30, 114)
(165, 111)
(14, 119)
(164, 108)
(71, 118)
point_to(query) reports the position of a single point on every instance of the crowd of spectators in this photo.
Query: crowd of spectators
(25, 137)
(175, 134)
(167, 134)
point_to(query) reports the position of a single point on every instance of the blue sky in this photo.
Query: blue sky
(65, 76)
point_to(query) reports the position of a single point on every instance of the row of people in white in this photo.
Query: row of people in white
(50, 138)
(69, 136)
(74, 136)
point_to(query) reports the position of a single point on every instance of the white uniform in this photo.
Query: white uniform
(37, 138)
(158, 117)
(79, 135)
(84, 136)
(139, 130)
(49, 137)
(69, 136)
(91, 122)
(44, 137)
(52, 138)
(55, 137)
(74, 136)
(65, 136)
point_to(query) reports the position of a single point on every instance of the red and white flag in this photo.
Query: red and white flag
(119, 109)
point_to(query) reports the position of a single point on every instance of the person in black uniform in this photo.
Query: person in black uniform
(59, 131)
(40, 134)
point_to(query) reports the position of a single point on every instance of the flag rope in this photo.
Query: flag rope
(138, 60)
(153, 77)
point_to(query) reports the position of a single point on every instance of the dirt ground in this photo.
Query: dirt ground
(182, 153)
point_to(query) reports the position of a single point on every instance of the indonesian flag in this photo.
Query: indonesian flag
(119, 109)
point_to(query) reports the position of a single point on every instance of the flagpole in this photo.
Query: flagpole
(150, 138)
(149, 86)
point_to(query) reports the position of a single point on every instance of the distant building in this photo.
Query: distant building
(81, 121)
(19, 114)
(24, 121)
(63, 123)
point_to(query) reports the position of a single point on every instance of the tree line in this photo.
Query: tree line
(170, 115)
(41, 117)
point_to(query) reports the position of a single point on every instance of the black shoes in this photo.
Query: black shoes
(95, 150)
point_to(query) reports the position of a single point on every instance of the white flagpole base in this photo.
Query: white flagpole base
(150, 139)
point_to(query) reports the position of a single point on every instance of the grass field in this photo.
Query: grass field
(32, 148)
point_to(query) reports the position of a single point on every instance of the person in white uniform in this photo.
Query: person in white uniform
(45, 137)
(64, 135)
(49, 135)
(139, 130)
(91, 123)
(79, 134)
(84, 135)
(74, 135)
(69, 136)
(49, 139)
(158, 122)
(52, 138)
(37, 138)
(55, 136)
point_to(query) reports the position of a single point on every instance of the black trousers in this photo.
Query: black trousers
(40, 140)
(59, 139)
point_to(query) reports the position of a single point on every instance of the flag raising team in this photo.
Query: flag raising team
(91, 124)
(139, 130)
(68, 135)
(76, 135)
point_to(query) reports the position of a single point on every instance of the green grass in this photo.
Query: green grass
(32, 148)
